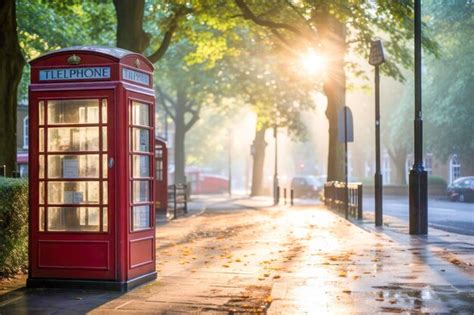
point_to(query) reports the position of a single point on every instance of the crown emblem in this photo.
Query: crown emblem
(73, 60)
(137, 63)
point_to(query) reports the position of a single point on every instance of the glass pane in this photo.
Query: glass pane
(105, 192)
(141, 166)
(41, 113)
(41, 218)
(73, 166)
(140, 140)
(140, 191)
(159, 170)
(73, 219)
(104, 138)
(140, 114)
(104, 111)
(105, 222)
(73, 139)
(41, 140)
(41, 192)
(73, 111)
(105, 166)
(141, 217)
(41, 166)
(73, 192)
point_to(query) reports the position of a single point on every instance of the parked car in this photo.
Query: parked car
(462, 189)
(306, 186)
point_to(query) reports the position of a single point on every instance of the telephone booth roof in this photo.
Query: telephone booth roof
(92, 56)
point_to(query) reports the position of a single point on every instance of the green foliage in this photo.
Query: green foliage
(436, 181)
(44, 26)
(448, 88)
(13, 226)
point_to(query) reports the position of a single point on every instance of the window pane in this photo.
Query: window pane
(141, 166)
(41, 218)
(41, 166)
(141, 217)
(105, 166)
(104, 111)
(140, 191)
(73, 166)
(140, 140)
(140, 114)
(73, 219)
(41, 192)
(41, 113)
(73, 192)
(41, 140)
(104, 138)
(105, 192)
(105, 222)
(73, 139)
(73, 111)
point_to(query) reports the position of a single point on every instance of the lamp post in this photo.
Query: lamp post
(418, 194)
(276, 196)
(377, 58)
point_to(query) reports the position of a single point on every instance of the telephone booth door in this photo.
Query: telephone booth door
(72, 230)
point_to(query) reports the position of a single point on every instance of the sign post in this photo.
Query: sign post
(376, 59)
(345, 135)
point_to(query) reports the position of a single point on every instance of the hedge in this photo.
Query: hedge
(13, 226)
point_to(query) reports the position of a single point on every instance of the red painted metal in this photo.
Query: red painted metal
(115, 252)
(161, 175)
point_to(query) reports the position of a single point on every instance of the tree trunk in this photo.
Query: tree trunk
(398, 157)
(130, 33)
(258, 162)
(333, 40)
(180, 136)
(11, 66)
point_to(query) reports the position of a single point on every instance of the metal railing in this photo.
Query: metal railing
(335, 196)
(178, 199)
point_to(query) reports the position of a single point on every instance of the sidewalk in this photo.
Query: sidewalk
(246, 257)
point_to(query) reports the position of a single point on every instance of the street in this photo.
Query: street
(456, 217)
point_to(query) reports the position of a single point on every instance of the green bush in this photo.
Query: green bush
(13, 226)
(436, 181)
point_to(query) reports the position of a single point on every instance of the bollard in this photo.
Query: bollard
(3, 170)
(284, 195)
(359, 203)
(291, 196)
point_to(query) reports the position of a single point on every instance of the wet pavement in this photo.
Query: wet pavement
(245, 257)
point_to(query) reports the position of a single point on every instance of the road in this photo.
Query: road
(450, 216)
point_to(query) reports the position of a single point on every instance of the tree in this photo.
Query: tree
(338, 30)
(182, 90)
(130, 25)
(11, 66)
(274, 91)
(448, 89)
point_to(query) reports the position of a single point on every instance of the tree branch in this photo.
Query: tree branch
(163, 97)
(194, 118)
(165, 43)
(249, 15)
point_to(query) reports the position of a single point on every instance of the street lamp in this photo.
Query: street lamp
(377, 58)
(418, 177)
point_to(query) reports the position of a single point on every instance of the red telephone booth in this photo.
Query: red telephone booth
(161, 176)
(91, 112)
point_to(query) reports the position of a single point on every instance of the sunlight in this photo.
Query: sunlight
(313, 63)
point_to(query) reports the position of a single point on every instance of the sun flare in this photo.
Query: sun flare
(313, 63)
